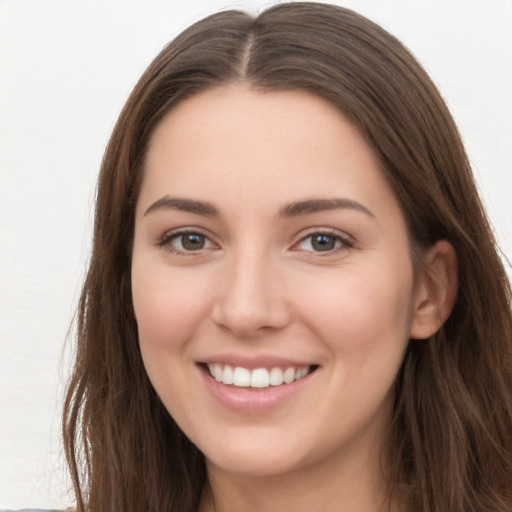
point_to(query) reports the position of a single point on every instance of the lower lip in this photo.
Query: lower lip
(254, 400)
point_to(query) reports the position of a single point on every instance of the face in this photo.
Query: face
(272, 281)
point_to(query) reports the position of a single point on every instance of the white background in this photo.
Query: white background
(66, 68)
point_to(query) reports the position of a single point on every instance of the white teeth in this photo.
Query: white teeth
(301, 372)
(289, 375)
(276, 377)
(242, 377)
(217, 372)
(258, 378)
(227, 377)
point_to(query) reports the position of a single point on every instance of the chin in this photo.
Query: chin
(258, 457)
(260, 465)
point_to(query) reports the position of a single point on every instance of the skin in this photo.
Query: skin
(258, 287)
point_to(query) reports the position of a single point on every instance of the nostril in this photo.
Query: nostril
(247, 319)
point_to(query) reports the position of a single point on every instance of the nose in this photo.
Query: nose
(251, 300)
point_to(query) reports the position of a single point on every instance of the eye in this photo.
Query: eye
(323, 242)
(186, 241)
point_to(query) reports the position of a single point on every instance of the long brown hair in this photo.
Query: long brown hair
(450, 447)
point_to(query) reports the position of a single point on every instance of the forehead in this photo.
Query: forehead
(237, 117)
(234, 143)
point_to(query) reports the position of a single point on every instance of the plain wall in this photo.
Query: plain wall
(66, 68)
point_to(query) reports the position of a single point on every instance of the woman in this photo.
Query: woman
(294, 299)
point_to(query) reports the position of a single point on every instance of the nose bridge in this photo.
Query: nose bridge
(250, 297)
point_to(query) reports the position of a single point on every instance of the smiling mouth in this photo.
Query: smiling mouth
(259, 378)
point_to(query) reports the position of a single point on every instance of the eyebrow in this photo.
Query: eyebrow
(185, 205)
(310, 206)
(294, 209)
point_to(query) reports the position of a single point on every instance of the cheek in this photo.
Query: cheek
(166, 304)
(168, 314)
(163, 318)
(361, 308)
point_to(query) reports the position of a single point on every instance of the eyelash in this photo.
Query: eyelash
(339, 238)
(344, 241)
(166, 241)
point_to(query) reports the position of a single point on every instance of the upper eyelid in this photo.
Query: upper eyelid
(325, 231)
(165, 241)
(346, 241)
(304, 234)
(183, 231)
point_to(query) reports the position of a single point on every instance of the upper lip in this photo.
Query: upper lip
(253, 362)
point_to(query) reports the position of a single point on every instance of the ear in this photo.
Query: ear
(436, 290)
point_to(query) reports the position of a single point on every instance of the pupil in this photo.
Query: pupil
(323, 243)
(193, 242)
